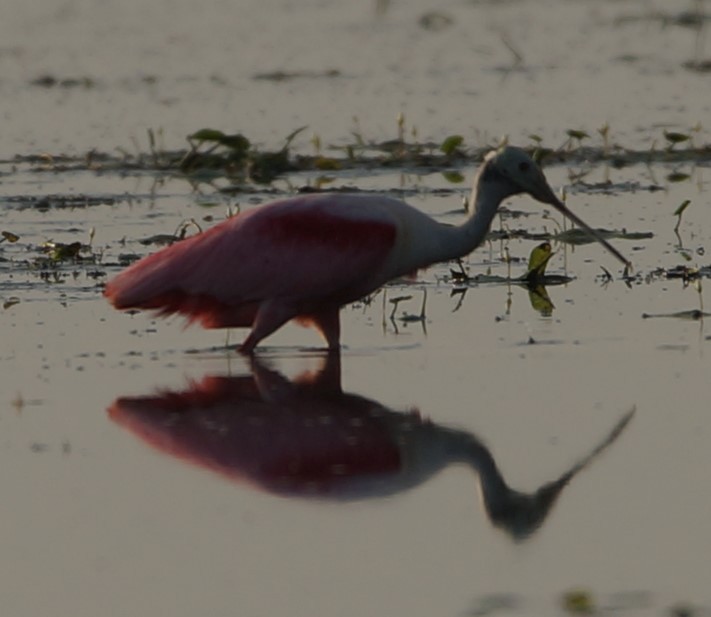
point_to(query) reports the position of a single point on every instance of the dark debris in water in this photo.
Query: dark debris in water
(291, 75)
(613, 188)
(698, 66)
(493, 604)
(684, 18)
(50, 263)
(435, 21)
(48, 202)
(687, 274)
(580, 601)
(691, 315)
(52, 81)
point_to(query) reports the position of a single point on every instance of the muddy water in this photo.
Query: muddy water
(482, 458)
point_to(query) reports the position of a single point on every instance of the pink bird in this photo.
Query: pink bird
(305, 257)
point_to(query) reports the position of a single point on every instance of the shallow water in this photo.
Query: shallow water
(112, 503)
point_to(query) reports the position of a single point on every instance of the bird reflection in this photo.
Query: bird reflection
(307, 438)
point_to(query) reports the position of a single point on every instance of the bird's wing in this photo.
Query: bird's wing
(298, 248)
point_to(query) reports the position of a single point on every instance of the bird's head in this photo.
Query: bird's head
(510, 171)
(516, 172)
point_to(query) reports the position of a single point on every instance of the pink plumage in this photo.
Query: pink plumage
(305, 257)
(302, 257)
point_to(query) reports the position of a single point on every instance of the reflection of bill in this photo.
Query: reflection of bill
(307, 438)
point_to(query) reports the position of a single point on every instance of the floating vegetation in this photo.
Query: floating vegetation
(677, 176)
(50, 262)
(537, 261)
(214, 153)
(451, 146)
(233, 155)
(9, 237)
(686, 273)
(535, 274)
(575, 136)
(534, 280)
(578, 602)
(57, 251)
(675, 138)
(540, 300)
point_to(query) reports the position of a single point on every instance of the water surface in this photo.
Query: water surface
(95, 515)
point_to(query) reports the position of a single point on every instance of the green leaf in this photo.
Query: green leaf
(576, 134)
(207, 135)
(538, 260)
(578, 602)
(540, 300)
(237, 142)
(451, 144)
(675, 137)
(453, 176)
(265, 166)
(324, 163)
(59, 251)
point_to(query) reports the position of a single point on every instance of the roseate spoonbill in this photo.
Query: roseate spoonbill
(307, 439)
(304, 257)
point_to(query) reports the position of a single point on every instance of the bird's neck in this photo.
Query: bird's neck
(486, 196)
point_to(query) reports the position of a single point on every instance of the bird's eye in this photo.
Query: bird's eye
(524, 166)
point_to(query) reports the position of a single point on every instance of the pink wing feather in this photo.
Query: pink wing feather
(310, 250)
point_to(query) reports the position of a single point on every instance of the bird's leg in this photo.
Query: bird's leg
(328, 323)
(271, 315)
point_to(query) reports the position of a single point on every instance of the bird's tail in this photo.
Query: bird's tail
(143, 284)
(171, 281)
